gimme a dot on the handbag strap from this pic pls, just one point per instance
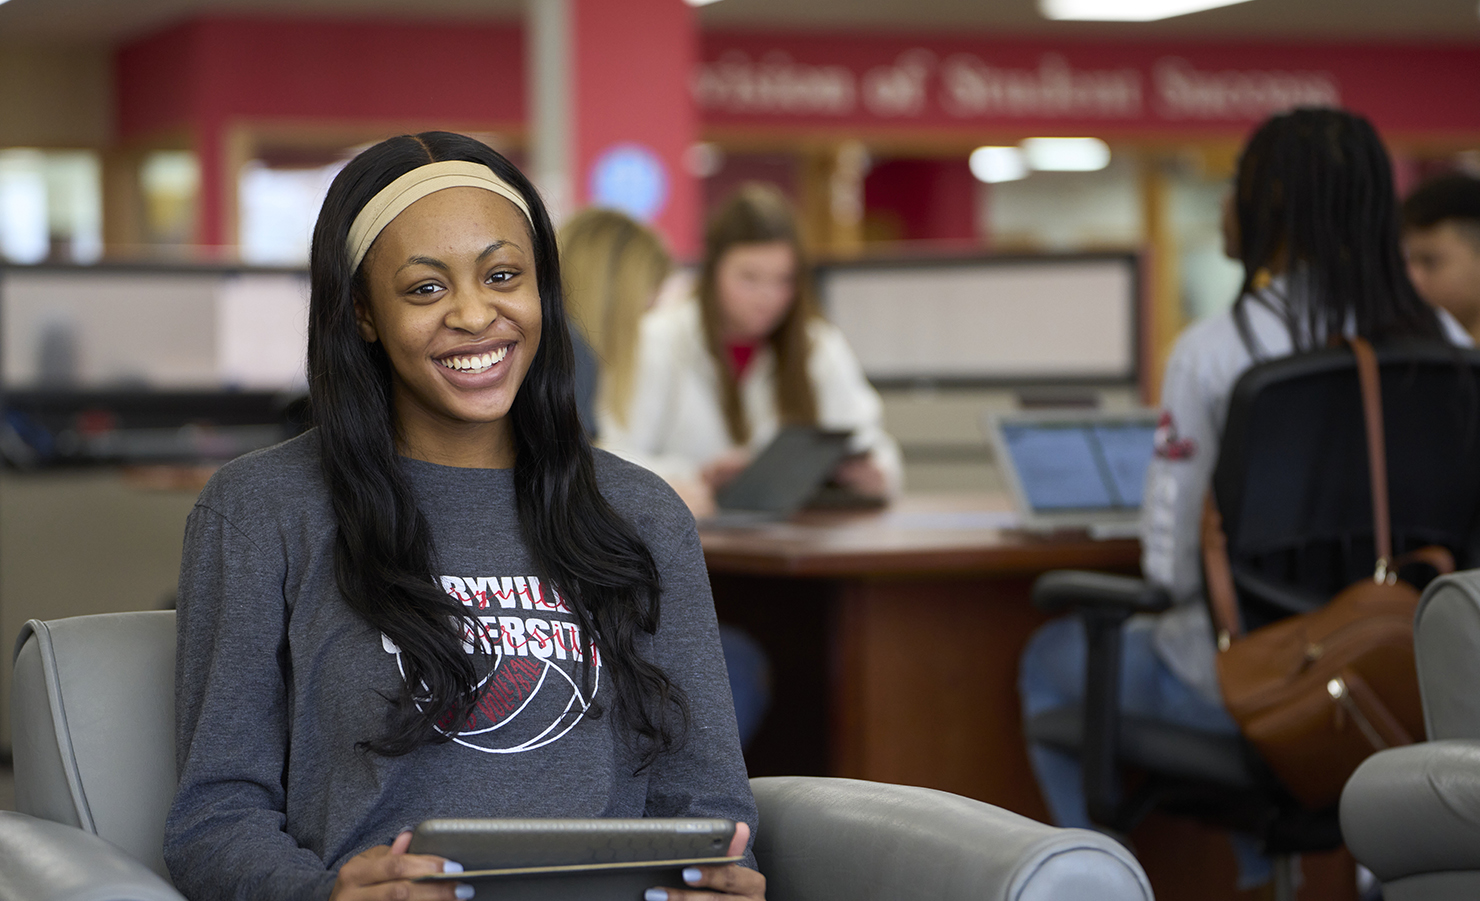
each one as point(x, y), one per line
point(1218, 575)
point(1376, 452)
point(1218, 572)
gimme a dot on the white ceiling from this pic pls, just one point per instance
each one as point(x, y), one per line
point(111, 21)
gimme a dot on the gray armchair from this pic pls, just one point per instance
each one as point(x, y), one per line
point(1412, 815)
point(93, 733)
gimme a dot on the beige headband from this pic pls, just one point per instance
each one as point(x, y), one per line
point(395, 197)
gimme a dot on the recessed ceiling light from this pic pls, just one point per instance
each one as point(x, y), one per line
point(1066, 154)
point(1125, 10)
point(998, 164)
point(689, 2)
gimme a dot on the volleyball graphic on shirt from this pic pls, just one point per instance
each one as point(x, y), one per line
point(534, 692)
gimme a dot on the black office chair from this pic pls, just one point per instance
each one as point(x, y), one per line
point(1292, 486)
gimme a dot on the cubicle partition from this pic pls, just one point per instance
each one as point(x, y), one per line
point(949, 340)
point(120, 387)
point(990, 320)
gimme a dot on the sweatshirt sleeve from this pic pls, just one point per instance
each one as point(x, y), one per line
point(704, 776)
point(1179, 475)
point(224, 837)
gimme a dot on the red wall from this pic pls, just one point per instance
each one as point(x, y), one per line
point(205, 74)
point(202, 76)
point(632, 65)
point(931, 199)
point(881, 84)
point(322, 70)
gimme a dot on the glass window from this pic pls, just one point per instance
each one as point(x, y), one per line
point(1208, 279)
point(51, 205)
point(23, 225)
point(1068, 211)
point(170, 180)
point(278, 208)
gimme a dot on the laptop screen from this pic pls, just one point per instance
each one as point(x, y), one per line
point(1071, 465)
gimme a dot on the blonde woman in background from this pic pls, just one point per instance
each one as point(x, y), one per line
point(716, 376)
point(614, 268)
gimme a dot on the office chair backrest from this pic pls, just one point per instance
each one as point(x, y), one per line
point(93, 726)
point(1292, 479)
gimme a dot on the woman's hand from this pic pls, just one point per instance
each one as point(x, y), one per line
point(863, 475)
point(727, 881)
point(384, 873)
point(722, 470)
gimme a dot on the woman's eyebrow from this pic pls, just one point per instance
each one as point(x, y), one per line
point(438, 264)
point(425, 261)
point(496, 246)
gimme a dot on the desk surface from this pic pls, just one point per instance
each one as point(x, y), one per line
point(920, 533)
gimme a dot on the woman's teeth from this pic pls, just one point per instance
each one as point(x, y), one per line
point(475, 362)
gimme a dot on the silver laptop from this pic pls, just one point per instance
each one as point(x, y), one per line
point(1075, 469)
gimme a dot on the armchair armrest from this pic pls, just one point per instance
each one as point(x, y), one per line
point(1416, 809)
point(1068, 589)
point(828, 839)
point(45, 861)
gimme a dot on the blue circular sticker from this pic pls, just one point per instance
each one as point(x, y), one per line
point(631, 178)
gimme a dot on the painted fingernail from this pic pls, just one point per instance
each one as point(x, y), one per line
point(464, 891)
point(451, 866)
point(655, 894)
point(691, 875)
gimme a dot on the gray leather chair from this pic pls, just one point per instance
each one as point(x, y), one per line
point(93, 733)
point(1412, 815)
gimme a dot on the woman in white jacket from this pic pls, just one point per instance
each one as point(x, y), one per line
point(718, 374)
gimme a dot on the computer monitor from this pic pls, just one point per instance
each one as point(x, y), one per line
point(986, 320)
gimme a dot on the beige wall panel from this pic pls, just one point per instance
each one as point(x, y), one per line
point(79, 542)
point(55, 96)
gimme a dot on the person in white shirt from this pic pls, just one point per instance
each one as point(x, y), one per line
point(1313, 218)
point(718, 374)
point(614, 268)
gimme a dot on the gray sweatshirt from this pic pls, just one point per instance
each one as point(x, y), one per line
point(277, 680)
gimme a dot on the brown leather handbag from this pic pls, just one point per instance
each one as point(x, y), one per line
point(1317, 693)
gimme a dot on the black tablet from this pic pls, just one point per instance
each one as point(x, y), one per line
point(567, 860)
point(782, 477)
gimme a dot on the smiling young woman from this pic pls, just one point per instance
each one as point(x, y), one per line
point(440, 601)
point(452, 296)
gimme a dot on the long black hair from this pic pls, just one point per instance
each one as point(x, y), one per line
point(1314, 199)
point(383, 555)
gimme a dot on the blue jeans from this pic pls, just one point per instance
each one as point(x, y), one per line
point(750, 679)
point(1051, 675)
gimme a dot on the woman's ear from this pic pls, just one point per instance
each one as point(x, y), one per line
point(364, 321)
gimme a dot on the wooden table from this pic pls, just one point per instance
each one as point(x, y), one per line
point(894, 637)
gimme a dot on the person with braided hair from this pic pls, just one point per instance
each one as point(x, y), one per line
point(1313, 218)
